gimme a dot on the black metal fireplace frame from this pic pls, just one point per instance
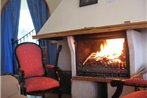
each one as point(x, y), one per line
point(107, 35)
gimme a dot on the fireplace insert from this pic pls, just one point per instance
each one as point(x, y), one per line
point(102, 55)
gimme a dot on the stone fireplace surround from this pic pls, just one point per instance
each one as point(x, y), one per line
point(137, 43)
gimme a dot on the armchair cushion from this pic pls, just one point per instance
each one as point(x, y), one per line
point(44, 83)
point(137, 94)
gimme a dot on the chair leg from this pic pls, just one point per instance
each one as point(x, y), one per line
point(59, 93)
point(119, 89)
point(23, 92)
point(43, 96)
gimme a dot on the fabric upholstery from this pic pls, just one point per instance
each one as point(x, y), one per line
point(137, 94)
point(10, 87)
point(29, 56)
point(7, 86)
point(40, 83)
point(30, 60)
point(17, 96)
point(137, 82)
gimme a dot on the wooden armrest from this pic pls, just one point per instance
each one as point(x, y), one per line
point(22, 82)
point(21, 76)
point(52, 67)
point(136, 82)
point(56, 70)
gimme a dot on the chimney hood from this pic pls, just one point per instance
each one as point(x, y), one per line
point(68, 16)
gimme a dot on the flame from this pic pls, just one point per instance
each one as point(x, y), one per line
point(111, 50)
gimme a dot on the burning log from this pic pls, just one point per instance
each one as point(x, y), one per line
point(104, 61)
point(89, 57)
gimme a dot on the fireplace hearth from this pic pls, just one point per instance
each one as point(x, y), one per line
point(102, 55)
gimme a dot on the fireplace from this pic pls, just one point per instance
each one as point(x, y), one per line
point(102, 55)
point(135, 35)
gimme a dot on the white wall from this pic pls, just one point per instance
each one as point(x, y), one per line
point(53, 4)
point(137, 43)
point(144, 38)
point(84, 89)
point(135, 50)
point(64, 57)
point(69, 15)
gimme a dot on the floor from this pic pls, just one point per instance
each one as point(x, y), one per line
point(56, 96)
point(51, 95)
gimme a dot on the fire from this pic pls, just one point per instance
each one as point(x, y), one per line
point(110, 51)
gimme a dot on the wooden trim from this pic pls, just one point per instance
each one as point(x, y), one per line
point(95, 79)
point(93, 30)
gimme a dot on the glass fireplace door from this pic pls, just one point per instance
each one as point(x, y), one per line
point(104, 55)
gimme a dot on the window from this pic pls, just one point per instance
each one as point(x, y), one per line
point(26, 27)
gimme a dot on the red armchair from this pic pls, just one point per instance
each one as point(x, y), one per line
point(136, 82)
point(32, 71)
point(137, 94)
